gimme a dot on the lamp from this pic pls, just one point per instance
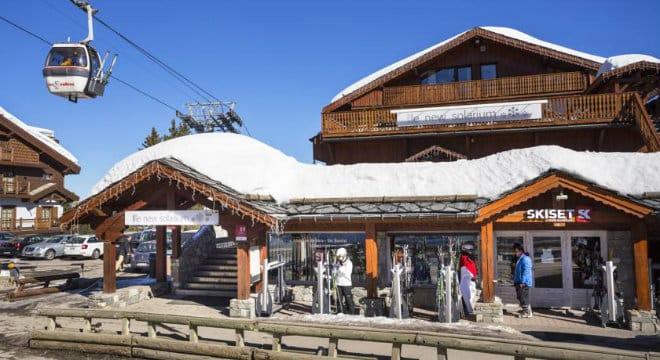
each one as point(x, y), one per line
point(561, 196)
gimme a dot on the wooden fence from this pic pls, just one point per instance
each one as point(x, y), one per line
point(126, 342)
point(502, 88)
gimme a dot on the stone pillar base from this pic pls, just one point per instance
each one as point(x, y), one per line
point(242, 308)
point(644, 321)
point(489, 312)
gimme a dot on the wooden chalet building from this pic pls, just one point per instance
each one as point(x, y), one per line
point(32, 169)
point(487, 90)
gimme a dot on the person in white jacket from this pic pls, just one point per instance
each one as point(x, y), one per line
point(343, 270)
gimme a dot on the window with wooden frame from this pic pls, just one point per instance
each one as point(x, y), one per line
point(8, 183)
point(447, 75)
point(488, 71)
point(7, 217)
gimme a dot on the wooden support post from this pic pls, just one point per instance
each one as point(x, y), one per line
point(87, 325)
point(109, 270)
point(641, 256)
point(176, 243)
point(333, 344)
point(240, 338)
point(371, 250)
point(487, 265)
point(50, 325)
point(277, 342)
point(151, 329)
point(243, 268)
point(125, 326)
point(161, 253)
point(396, 351)
point(193, 335)
point(442, 353)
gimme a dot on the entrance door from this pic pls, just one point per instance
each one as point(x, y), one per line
point(549, 259)
point(587, 251)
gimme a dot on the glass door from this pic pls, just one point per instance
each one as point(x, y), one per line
point(548, 259)
point(588, 249)
point(505, 261)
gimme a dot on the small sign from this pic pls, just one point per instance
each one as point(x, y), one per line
point(171, 217)
point(241, 232)
point(581, 214)
point(469, 114)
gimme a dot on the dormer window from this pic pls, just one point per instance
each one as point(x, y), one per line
point(447, 75)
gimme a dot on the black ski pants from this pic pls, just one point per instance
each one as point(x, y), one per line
point(345, 292)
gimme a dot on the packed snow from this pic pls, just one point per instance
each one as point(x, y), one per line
point(508, 32)
point(251, 167)
point(615, 62)
point(46, 136)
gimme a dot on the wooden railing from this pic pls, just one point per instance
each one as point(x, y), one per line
point(645, 125)
point(502, 88)
point(125, 342)
point(14, 187)
point(571, 110)
point(23, 224)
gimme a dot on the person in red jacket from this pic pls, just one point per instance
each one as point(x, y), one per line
point(468, 274)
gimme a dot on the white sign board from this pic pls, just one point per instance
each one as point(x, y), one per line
point(511, 111)
point(171, 217)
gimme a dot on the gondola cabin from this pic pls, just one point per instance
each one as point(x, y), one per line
point(74, 71)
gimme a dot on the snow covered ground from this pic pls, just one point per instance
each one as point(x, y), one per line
point(251, 167)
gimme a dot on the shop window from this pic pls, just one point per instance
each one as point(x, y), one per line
point(447, 75)
point(586, 261)
point(429, 251)
point(488, 71)
point(506, 259)
point(301, 251)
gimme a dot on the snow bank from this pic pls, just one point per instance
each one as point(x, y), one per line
point(43, 135)
point(252, 167)
point(618, 61)
point(508, 32)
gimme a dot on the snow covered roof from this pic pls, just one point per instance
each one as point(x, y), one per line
point(251, 167)
point(504, 31)
point(619, 61)
point(45, 136)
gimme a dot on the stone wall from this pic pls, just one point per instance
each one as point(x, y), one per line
point(120, 298)
point(619, 244)
point(193, 254)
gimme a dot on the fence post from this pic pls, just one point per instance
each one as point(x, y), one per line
point(277, 342)
point(125, 326)
point(151, 329)
point(240, 338)
point(332, 347)
point(87, 325)
point(442, 353)
point(396, 351)
point(193, 335)
point(50, 326)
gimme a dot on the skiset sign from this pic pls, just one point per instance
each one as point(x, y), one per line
point(581, 214)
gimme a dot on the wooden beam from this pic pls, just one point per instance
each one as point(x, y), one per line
point(371, 250)
point(487, 263)
point(641, 256)
point(161, 253)
point(109, 270)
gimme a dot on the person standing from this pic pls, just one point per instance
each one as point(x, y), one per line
point(522, 280)
point(122, 253)
point(343, 272)
point(468, 274)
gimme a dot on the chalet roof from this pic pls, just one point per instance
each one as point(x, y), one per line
point(51, 188)
point(508, 36)
point(40, 138)
point(616, 65)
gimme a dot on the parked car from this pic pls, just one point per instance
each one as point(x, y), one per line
point(15, 247)
point(84, 246)
point(51, 248)
point(6, 236)
point(140, 259)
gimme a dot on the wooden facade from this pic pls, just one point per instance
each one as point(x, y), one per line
point(361, 127)
point(32, 190)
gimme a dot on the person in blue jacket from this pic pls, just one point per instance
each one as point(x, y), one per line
point(522, 280)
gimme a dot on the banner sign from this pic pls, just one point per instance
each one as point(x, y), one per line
point(241, 232)
point(511, 111)
point(581, 214)
point(171, 217)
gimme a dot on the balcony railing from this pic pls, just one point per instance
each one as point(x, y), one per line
point(502, 88)
point(14, 187)
point(570, 110)
point(32, 224)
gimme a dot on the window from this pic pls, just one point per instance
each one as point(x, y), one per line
point(447, 75)
point(67, 56)
point(301, 251)
point(488, 71)
point(9, 183)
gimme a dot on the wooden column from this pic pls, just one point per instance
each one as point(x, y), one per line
point(176, 242)
point(371, 251)
point(161, 253)
point(641, 256)
point(487, 268)
point(109, 273)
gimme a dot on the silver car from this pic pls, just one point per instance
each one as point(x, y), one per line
point(51, 248)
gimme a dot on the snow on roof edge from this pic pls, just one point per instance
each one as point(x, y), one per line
point(35, 131)
point(619, 61)
point(505, 31)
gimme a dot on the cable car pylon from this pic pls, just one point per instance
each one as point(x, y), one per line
point(75, 70)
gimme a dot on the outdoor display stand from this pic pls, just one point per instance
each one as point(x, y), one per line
point(401, 293)
point(611, 307)
point(448, 293)
point(264, 299)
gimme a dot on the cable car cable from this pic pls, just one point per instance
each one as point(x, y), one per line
point(114, 77)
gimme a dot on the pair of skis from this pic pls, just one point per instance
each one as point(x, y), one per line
point(326, 286)
point(448, 292)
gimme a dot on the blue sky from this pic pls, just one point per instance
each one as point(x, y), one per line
point(281, 61)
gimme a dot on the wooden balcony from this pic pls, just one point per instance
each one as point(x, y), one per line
point(518, 87)
point(570, 110)
point(22, 225)
point(14, 187)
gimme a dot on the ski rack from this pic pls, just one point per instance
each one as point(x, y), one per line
point(264, 305)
